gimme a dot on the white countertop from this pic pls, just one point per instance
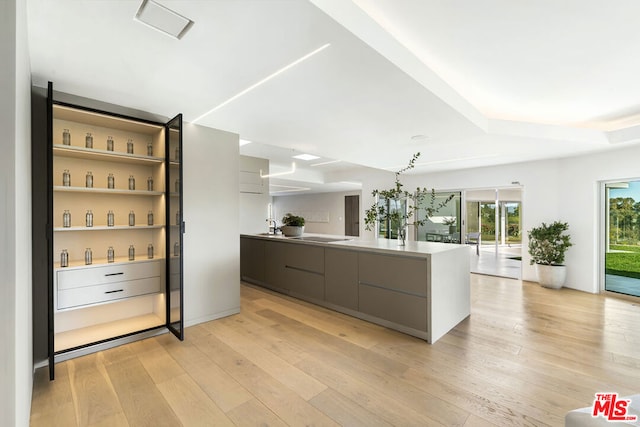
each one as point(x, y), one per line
point(391, 246)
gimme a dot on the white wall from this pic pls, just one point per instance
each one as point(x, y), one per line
point(16, 375)
point(319, 206)
point(254, 199)
point(211, 206)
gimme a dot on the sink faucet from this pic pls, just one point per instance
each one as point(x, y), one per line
point(272, 230)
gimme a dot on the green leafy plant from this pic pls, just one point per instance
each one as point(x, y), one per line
point(549, 243)
point(449, 221)
point(381, 213)
point(292, 220)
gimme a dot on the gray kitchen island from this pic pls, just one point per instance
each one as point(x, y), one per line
point(421, 289)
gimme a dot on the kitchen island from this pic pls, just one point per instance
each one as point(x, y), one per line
point(421, 289)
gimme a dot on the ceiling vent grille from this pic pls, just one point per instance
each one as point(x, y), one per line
point(163, 19)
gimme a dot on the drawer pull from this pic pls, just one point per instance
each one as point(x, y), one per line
point(112, 292)
point(114, 274)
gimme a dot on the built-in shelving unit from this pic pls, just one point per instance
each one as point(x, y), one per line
point(103, 164)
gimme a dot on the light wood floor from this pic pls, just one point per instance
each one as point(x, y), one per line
point(524, 357)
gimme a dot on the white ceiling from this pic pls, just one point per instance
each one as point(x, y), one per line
point(488, 82)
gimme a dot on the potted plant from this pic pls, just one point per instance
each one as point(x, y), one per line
point(547, 246)
point(400, 217)
point(292, 225)
point(451, 222)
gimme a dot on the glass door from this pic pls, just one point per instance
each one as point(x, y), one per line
point(389, 229)
point(175, 229)
point(622, 237)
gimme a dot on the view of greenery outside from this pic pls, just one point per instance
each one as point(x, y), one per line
point(389, 230)
point(488, 222)
point(623, 256)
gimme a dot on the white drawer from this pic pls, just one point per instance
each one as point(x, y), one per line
point(89, 276)
point(108, 292)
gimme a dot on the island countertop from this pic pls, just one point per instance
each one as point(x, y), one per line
point(388, 246)
point(421, 289)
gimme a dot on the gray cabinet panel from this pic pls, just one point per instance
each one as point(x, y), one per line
point(341, 278)
point(304, 270)
point(305, 257)
point(252, 259)
point(275, 258)
point(393, 272)
point(393, 306)
point(305, 284)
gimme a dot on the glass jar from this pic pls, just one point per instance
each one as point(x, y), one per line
point(111, 254)
point(109, 143)
point(64, 258)
point(66, 178)
point(88, 256)
point(66, 219)
point(176, 249)
point(132, 182)
point(132, 218)
point(89, 218)
point(88, 141)
point(110, 219)
point(132, 253)
point(66, 137)
point(130, 146)
point(150, 183)
point(150, 251)
point(150, 218)
point(177, 217)
point(150, 149)
point(89, 180)
point(111, 181)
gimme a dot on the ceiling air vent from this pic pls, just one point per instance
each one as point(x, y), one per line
point(163, 19)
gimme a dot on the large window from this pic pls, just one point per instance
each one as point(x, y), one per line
point(445, 225)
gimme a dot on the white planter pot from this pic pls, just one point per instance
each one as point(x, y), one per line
point(551, 276)
point(292, 231)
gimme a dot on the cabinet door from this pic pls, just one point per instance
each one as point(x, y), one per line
point(252, 259)
point(341, 277)
point(176, 227)
point(393, 288)
point(275, 257)
point(50, 309)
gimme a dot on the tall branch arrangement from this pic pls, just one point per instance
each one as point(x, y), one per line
point(381, 213)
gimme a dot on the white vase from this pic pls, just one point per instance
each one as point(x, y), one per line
point(551, 276)
point(292, 230)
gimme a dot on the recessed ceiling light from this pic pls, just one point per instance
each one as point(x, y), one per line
point(305, 157)
point(244, 142)
point(419, 137)
point(163, 19)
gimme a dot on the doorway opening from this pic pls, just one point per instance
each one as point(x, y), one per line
point(352, 215)
point(622, 237)
point(493, 223)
